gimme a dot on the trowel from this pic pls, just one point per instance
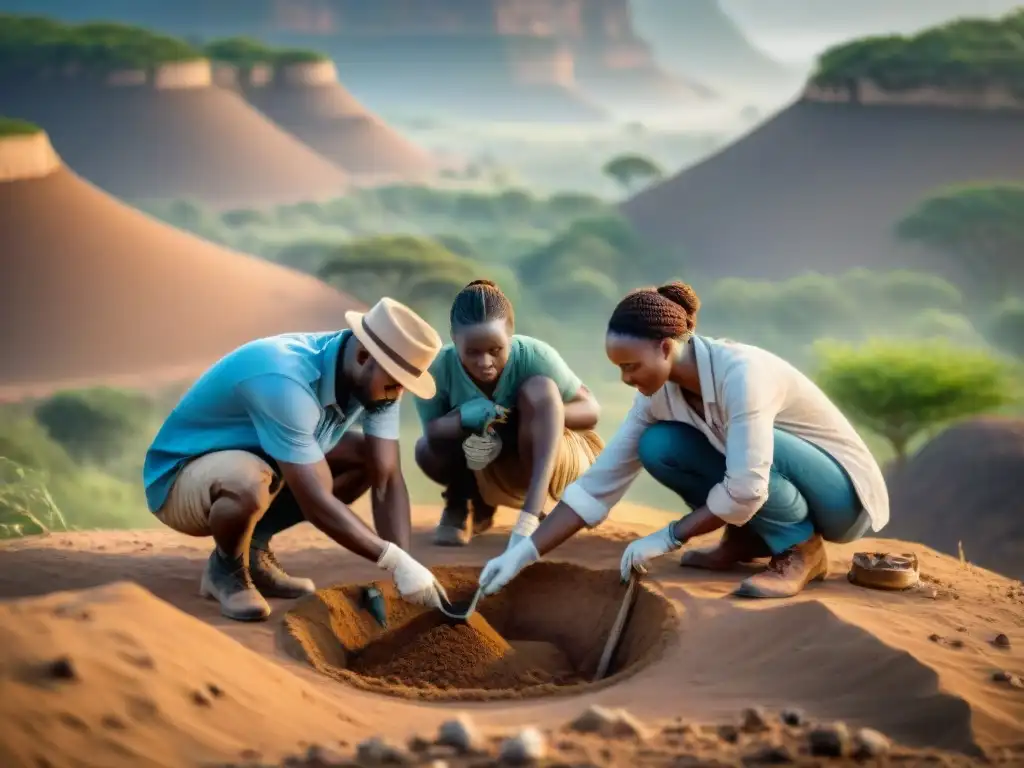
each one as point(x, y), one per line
point(461, 610)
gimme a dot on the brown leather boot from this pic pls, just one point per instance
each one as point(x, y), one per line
point(738, 545)
point(789, 572)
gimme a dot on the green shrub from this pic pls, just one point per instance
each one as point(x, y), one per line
point(12, 127)
point(26, 506)
point(94, 424)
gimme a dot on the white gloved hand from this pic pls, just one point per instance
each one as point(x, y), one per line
point(524, 528)
point(414, 581)
point(641, 551)
point(502, 569)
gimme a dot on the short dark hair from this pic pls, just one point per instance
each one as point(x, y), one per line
point(668, 312)
point(482, 301)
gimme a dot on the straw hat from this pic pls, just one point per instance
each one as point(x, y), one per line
point(401, 342)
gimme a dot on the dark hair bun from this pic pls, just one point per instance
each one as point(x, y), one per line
point(683, 295)
point(484, 283)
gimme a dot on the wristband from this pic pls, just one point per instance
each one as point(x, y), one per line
point(526, 524)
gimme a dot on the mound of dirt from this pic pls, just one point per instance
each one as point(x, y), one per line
point(144, 142)
point(542, 635)
point(113, 676)
point(822, 186)
point(95, 290)
point(962, 488)
point(324, 115)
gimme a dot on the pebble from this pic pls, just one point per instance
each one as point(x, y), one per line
point(1001, 641)
point(869, 743)
point(460, 733)
point(419, 744)
point(526, 747)
point(831, 740)
point(323, 757)
point(201, 699)
point(63, 669)
point(729, 733)
point(593, 719)
point(771, 755)
point(376, 751)
point(754, 719)
point(793, 717)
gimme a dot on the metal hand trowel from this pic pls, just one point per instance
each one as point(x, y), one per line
point(461, 610)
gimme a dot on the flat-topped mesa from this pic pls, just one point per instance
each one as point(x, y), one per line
point(25, 153)
point(865, 92)
point(197, 73)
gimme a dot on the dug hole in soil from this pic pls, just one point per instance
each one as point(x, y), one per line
point(542, 635)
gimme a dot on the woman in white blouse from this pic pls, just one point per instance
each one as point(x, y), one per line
point(747, 441)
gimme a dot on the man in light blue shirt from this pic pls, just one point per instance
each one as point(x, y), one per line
point(262, 441)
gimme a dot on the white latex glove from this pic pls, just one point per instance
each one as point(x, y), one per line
point(524, 528)
point(641, 551)
point(414, 581)
point(502, 569)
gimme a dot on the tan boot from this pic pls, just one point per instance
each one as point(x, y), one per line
point(789, 572)
point(229, 583)
point(738, 545)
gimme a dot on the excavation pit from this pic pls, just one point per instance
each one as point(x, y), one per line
point(542, 635)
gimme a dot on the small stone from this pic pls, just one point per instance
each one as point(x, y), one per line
point(626, 726)
point(419, 744)
point(729, 733)
point(754, 720)
point(525, 748)
point(460, 733)
point(318, 756)
point(771, 754)
point(1001, 641)
point(1001, 677)
point(831, 740)
point(956, 642)
point(201, 699)
point(214, 690)
point(935, 638)
point(869, 743)
point(594, 719)
point(793, 717)
point(62, 669)
point(377, 751)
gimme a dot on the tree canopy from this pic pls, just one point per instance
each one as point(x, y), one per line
point(9, 126)
point(632, 171)
point(245, 52)
point(901, 390)
point(35, 45)
point(981, 226)
point(962, 55)
point(1005, 327)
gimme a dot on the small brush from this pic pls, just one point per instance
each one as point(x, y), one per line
point(373, 602)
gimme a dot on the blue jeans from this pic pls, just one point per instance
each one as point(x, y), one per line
point(808, 491)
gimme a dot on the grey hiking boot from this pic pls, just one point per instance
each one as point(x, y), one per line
point(229, 583)
point(271, 579)
point(452, 531)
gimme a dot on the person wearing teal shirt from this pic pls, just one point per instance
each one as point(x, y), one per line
point(512, 405)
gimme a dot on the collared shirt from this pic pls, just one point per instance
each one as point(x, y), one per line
point(747, 393)
point(527, 357)
point(274, 396)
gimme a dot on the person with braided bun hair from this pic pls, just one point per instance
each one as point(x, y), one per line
point(513, 400)
point(744, 438)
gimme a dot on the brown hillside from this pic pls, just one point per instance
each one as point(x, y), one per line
point(963, 486)
point(92, 290)
point(141, 142)
point(325, 116)
point(820, 186)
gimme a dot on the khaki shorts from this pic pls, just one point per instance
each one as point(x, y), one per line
point(235, 474)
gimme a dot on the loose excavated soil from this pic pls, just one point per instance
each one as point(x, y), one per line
point(542, 635)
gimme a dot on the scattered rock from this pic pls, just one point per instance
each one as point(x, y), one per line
point(214, 690)
point(62, 669)
point(793, 717)
point(419, 744)
point(1001, 641)
point(377, 751)
point(526, 747)
point(201, 699)
point(594, 719)
point(1002, 677)
point(956, 642)
point(729, 733)
point(831, 740)
point(754, 720)
point(771, 754)
point(460, 733)
point(318, 756)
point(935, 638)
point(869, 743)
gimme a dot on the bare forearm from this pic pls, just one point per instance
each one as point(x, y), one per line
point(560, 526)
point(391, 511)
point(582, 414)
point(447, 427)
point(341, 524)
point(547, 434)
point(697, 523)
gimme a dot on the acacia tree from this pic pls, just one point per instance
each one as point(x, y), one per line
point(983, 227)
point(901, 390)
point(632, 171)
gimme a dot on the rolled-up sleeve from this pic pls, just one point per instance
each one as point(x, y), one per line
point(601, 487)
point(751, 399)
